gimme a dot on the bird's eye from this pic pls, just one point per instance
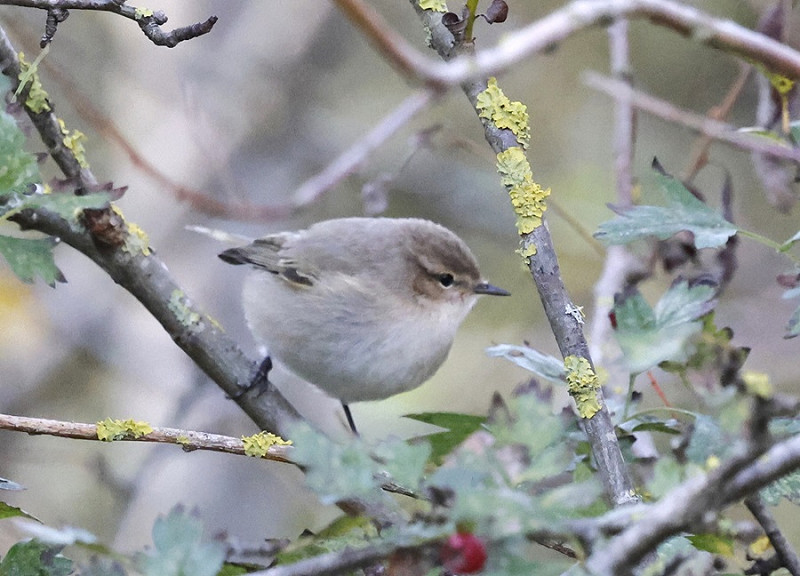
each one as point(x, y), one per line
point(445, 279)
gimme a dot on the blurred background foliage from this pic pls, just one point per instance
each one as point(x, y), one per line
point(247, 113)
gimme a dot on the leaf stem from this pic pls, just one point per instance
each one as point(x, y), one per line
point(472, 6)
point(778, 247)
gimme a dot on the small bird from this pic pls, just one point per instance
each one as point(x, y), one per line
point(363, 308)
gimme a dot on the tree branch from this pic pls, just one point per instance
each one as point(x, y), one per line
point(702, 124)
point(150, 22)
point(560, 25)
point(783, 548)
point(187, 439)
point(642, 527)
point(544, 268)
point(147, 278)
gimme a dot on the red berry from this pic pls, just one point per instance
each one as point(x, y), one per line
point(463, 553)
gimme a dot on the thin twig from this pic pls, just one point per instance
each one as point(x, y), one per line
point(620, 267)
point(149, 22)
point(187, 439)
point(718, 112)
point(341, 561)
point(352, 158)
point(556, 27)
point(624, 112)
point(712, 128)
point(782, 546)
point(198, 199)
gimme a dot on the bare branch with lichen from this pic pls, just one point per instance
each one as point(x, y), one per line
point(188, 440)
point(149, 21)
point(104, 239)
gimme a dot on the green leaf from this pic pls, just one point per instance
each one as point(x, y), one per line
point(683, 211)
point(720, 545)
point(35, 558)
point(789, 243)
point(335, 471)
point(709, 440)
point(650, 423)
point(8, 511)
point(651, 336)
point(404, 461)
point(18, 169)
point(344, 532)
point(793, 326)
point(785, 487)
point(795, 131)
point(65, 205)
point(31, 258)
point(232, 570)
point(68, 206)
point(543, 365)
point(180, 549)
point(667, 474)
point(457, 428)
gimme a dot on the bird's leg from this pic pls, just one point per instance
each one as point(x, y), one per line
point(350, 420)
point(260, 379)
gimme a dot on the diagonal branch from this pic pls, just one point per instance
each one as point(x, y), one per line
point(783, 548)
point(147, 278)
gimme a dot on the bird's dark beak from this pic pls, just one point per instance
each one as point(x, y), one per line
point(486, 288)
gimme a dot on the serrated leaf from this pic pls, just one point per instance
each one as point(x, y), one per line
point(784, 427)
point(651, 336)
point(31, 258)
point(543, 365)
point(179, 548)
point(682, 212)
point(457, 428)
point(8, 511)
point(404, 461)
point(335, 471)
point(785, 487)
point(709, 441)
point(18, 169)
point(35, 558)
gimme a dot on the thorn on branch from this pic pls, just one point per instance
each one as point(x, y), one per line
point(54, 17)
point(151, 26)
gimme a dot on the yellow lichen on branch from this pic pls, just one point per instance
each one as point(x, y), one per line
point(109, 430)
point(73, 141)
point(259, 444)
point(583, 384)
point(37, 97)
point(527, 197)
point(494, 105)
point(434, 5)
